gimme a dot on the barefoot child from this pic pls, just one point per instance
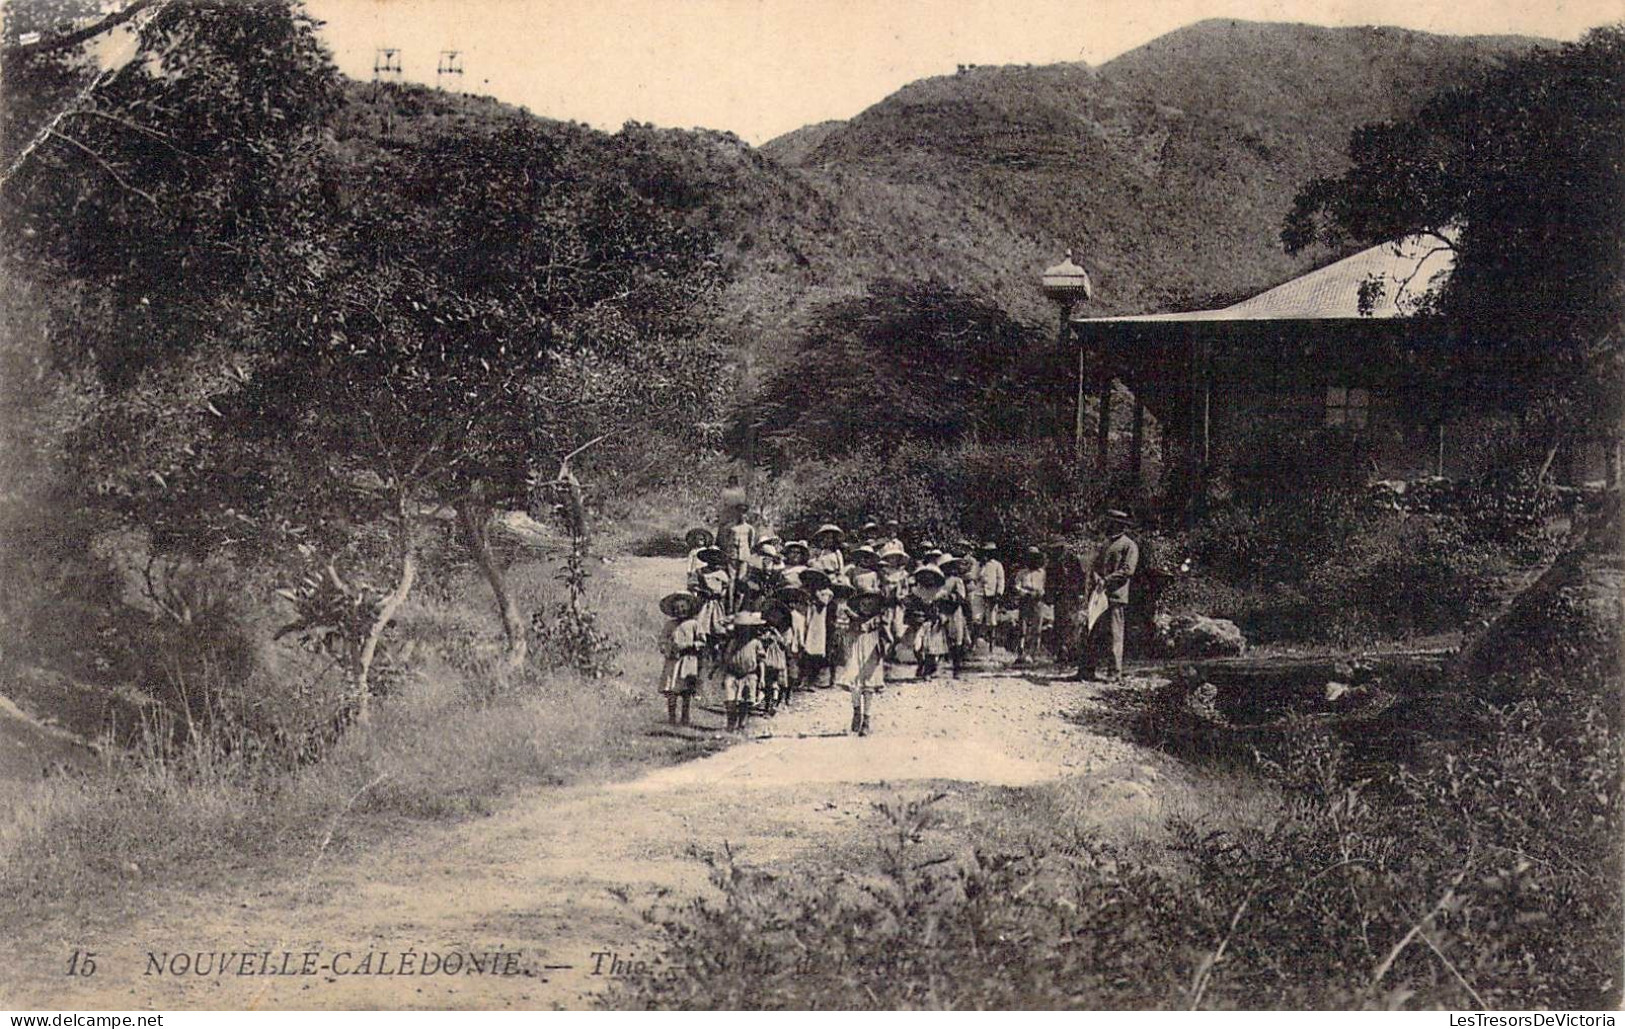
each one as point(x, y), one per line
point(742, 668)
point(775, 665)
point(682, 672)
point(863, 666)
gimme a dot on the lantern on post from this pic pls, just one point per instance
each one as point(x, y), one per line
point(1067, 284)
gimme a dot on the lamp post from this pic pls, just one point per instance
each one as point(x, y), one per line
point(1068, 284)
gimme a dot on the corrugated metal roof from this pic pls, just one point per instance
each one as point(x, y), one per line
point(1407, 267)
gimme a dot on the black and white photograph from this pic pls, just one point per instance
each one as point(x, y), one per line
point(807, 505)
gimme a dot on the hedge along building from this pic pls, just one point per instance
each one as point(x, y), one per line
point(1341, 358)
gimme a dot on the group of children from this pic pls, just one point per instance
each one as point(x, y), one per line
point(767, 617)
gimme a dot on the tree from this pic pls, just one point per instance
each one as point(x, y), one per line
point(907, 360)
point(1521, 176)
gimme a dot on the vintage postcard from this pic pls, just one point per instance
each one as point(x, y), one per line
point(768, 505)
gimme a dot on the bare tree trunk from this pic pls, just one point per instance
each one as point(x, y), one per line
point(474, 517)
point(387, 609)
point(1546, 463)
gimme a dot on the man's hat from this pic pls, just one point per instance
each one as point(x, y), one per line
point(698, 538)
point(772, 538)
point(867, 605)
point(929, 575)
point(955, 565)
point(814, 579)
point(1117, 515)
point(768, 547)
point(711, 555)
point(930, 556)
point(828, 528)
point(795, 596)
point(841, 588)
point(865, 555)
point(679, 605)
point(891, 523)
point(989, 547)
point(800, 545)
point(870, 528)
point(748, 620)
point(893, 553)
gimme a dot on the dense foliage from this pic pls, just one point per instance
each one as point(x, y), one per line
point(1520, 177)
point(254, 327)
point(1481, 874)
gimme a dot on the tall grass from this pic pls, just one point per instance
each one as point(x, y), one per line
point(452, 737)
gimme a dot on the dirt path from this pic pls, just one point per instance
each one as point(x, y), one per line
point(564, 874)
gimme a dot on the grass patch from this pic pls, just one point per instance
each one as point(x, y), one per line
point(452, 738)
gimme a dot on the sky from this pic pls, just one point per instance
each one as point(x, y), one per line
point(760, 68)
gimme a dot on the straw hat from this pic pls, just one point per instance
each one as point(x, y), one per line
point(1117, 515)
point(989, 547)
point(771, 538)
point(867, 605)
point(929, 575)
point(893, 553)
point(829, 528)
point(795, 596)
point(748, 620)
point(679, 605)
point(865, 556)
point(711, 555)
point(841, 588)
point(814, 579)
point(698, 538)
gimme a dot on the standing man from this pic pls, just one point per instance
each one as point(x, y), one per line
point(1114, 567)
point(987, 592)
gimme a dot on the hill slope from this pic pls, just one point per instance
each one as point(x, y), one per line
point(1170, 169)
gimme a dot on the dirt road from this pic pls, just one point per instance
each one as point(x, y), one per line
point(561, 877)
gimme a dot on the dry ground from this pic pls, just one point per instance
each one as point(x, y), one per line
point(563, 874)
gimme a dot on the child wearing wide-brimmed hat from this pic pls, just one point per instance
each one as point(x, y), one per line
point(742, 667)
point(815, 641)
point(712, 587)
point(863, 664)
point(775, 635)
point(864, 571)
point(894, 588)
point(696, 540)
point(955, 607)
point(827, 556)
point(928, 638)
point(681, 675)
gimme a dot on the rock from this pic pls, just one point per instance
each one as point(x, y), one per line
point(1200, 636)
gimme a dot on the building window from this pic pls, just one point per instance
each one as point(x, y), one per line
point(1348, 406)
